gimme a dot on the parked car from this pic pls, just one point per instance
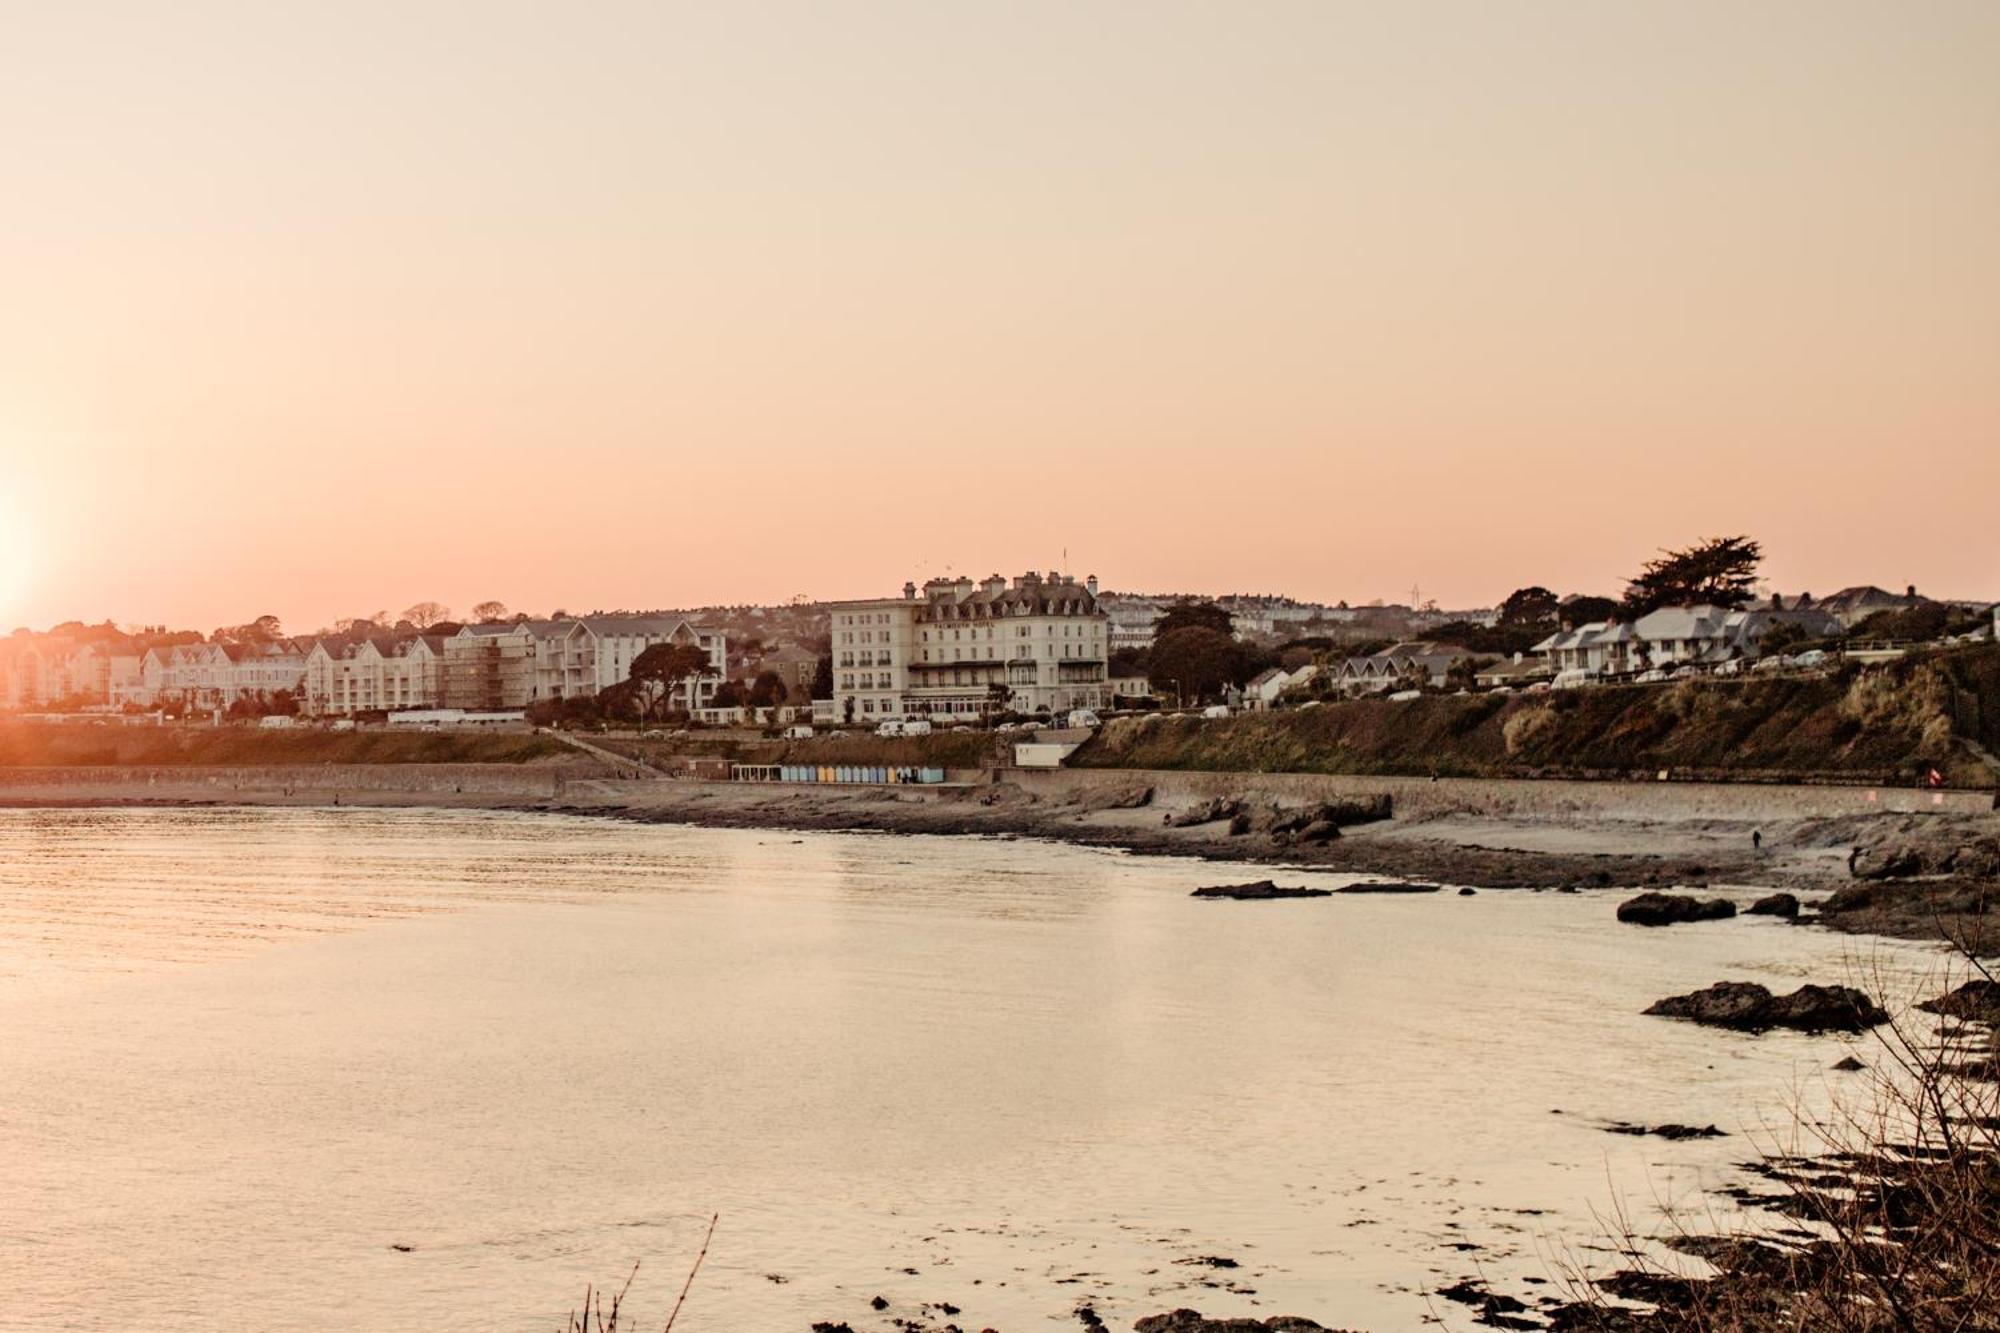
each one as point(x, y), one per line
point(1083, 717)
point(1812, 657)
point(893, 727)
point(1216, 710)
point(798, 731)
point(1653, 677)
point(1687, 673)
point(916, 727)
point(1571, 679)
point(1404, 696)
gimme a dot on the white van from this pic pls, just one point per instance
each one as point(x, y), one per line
point(1082, 717)
point(798, 731)
point(1216, 710)
point(893, 727)
point(1574, 678)
point(917, 727)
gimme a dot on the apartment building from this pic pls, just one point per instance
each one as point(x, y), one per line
point(963, 649)
point(42, 670)
point(375, 674)
point(512, 666)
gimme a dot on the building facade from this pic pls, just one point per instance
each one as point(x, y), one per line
point(377, 674)
point(962, 650)
point(216, 675)
point(511, 666)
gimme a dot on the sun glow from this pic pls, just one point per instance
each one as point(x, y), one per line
point(17, 549)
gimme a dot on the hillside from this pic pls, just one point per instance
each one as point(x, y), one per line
point(82, 744)
point(1887, 725)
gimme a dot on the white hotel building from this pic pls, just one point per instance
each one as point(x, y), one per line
point(964, 649)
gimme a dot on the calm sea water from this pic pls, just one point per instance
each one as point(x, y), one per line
point(245, 1055)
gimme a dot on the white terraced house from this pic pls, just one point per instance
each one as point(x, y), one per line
point(1672, 637)
point(965, 649)
point(215, 675)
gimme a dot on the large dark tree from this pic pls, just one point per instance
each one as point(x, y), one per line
point(1186, 614)
point(1587, 611)
point(1721, 571)
point(767, 690)
point(1530, 608)
point(662, 668)
point(1197, 662)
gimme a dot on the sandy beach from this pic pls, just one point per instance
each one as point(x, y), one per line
point(1477, 833)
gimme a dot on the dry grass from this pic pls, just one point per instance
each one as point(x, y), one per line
point(1889, 1211)
point(598, 1317)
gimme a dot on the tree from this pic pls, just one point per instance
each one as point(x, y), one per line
point(660, 670)
point(490, 613)
point(425, 614)
point(767, 690)
point(264, 629)
point(1188, 613)
point(1915, 624)
point(822, 687)
point(729, 694)
point(1782, 637)
point(1197, 662)
point(1530, 608)
point(1721, 571)
point(1586, 610)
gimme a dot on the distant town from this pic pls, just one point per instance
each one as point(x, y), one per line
point(1032, 647)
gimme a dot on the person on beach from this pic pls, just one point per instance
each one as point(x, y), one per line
point(1756, 840)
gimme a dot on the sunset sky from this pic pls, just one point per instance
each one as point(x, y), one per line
point(323, 309)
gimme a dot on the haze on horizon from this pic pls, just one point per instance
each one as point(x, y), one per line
point(318, 310)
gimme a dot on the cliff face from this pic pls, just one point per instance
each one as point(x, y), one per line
point(1886, 725)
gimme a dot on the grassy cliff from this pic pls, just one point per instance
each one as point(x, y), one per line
point(83, 744)
point(1884, 725)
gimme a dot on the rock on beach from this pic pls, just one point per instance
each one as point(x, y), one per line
point(1744, 1006)
point(1672, 909)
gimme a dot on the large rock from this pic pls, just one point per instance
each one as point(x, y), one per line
point(1976, 1001)
point(1671, 909)
point(1745, 1006)
point(1192, 1321)
point(1322, 822)
point(1220, 807)
point(1259, 891)
point(1778, 904)
point(1388, 886)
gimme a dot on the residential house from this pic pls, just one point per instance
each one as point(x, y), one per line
point(1419, 662)
point(1675, 636)
point(1600, 648)
point(1511, 672)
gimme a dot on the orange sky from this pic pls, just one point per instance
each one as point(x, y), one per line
point(326, 309)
